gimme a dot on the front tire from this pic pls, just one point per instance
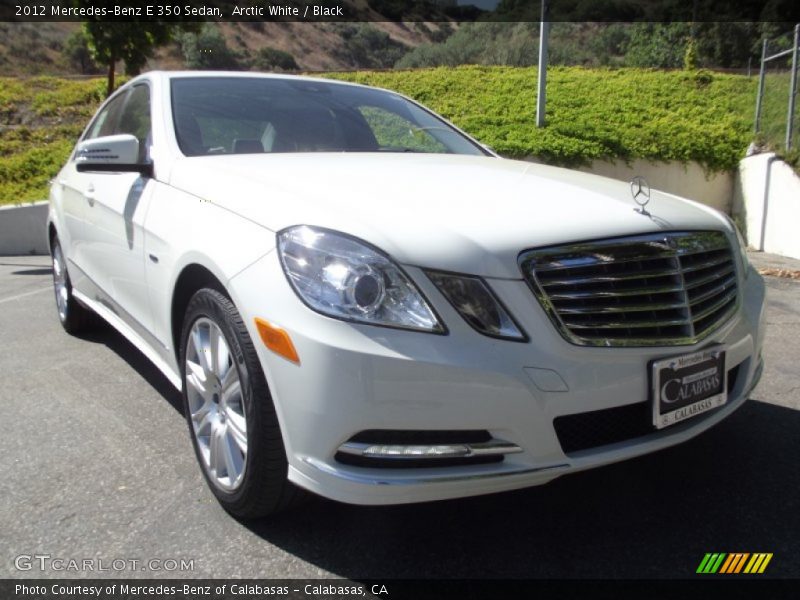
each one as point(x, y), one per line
point(229, 410)
point(74, 317)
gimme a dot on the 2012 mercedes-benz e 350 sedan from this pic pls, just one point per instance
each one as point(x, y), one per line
point(358, 299)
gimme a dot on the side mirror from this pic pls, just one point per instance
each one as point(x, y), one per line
point(111, 154)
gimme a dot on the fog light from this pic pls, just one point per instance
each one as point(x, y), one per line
point(442, 450)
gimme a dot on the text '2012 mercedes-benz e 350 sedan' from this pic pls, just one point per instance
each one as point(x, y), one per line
point(358, 299)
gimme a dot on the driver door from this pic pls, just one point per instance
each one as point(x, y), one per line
point(116, 204)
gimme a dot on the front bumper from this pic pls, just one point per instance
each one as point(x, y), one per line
point(352, 378)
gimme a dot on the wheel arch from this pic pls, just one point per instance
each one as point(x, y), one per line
point(52, 234)
point(193, 277)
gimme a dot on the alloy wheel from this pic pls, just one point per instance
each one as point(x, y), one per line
point(216, 404)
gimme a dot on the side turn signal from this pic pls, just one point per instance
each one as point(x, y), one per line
point(277, 340)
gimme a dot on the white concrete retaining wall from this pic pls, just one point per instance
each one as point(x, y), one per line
point(768, 199)
point(688, 180)
point(23, 229)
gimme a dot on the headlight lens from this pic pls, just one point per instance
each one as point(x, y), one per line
point(345, 278)
point(476, 303)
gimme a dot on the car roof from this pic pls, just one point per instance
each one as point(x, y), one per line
point(169, 75)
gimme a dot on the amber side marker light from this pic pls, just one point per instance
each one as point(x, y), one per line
point(277, 340)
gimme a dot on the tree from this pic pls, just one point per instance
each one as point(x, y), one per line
point(76, 51)
point(132, 42)
point(660, 45)
point(208, 49)
point(272, 59)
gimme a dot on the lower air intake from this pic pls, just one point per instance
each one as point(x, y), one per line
point(589, 430)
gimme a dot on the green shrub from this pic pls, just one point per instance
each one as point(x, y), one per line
point(272, 59)
point(366, 46)
point(209, 50)
point(657, 44)
point(591, 114)
point(479, 43)
point(25, 176)
point(42, 118)
point(77, 54)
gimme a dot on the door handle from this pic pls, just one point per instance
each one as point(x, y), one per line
point(90, 198)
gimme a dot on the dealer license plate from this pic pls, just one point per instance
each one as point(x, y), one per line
point(685, 386)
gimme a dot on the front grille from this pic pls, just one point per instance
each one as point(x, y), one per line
point(589, 430)
point(647, 290)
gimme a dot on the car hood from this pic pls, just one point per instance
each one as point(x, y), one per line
point(456, 213)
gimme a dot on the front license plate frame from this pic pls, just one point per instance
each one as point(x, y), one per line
point(687, 385)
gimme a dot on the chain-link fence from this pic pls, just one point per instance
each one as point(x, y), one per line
point(776, 106)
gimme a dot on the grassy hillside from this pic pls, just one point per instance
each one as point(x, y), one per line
point(40, 120)
point(41, 48)
point(592, 113)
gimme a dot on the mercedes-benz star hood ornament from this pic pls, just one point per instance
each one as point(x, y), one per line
point(640, 191)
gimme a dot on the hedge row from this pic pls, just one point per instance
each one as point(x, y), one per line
point(591, 114)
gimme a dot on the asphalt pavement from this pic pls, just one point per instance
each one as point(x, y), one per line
point(97, 464)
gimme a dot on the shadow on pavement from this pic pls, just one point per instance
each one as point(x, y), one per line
point(41, 271)
point(118, 344)
point(732, 489)
point(4, 263)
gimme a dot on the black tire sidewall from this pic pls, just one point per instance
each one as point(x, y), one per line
point(218, 308)
point(76, 318)
point(57, 248)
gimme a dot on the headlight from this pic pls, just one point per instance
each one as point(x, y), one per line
point(476, 303)
point(345, 278)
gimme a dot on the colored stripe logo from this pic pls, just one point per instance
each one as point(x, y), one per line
point(734, 562)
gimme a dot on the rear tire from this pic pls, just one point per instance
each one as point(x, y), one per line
point(74, 316)
point(229, 410)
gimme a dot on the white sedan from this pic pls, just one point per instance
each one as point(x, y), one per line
point(358, 299)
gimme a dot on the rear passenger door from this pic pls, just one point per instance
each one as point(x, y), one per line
point(75, 194)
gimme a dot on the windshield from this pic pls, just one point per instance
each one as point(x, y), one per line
point(236, 115)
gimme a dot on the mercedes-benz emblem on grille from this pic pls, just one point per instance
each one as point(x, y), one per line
point(640, 191)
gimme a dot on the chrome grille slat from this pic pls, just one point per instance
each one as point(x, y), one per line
point(561, 265)
point(611, 278)
point(628, 324)
point(619, 309)
point(649, 290)
point(709, 278)
point(706, 250)
point(615, 294)
point(707, 264)
point(714, 307)
point(725, 285)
